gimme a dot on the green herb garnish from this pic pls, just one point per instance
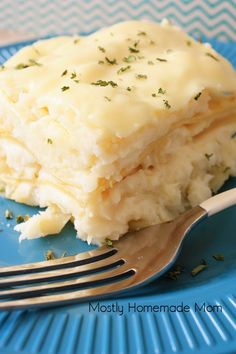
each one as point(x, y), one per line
point(189, 43)
point(101, 49)
point(161, 91)
point(174, 273)
point(218, 257)
point(49, 255)
point(166, 103)
point(141, 33)
point(64, 73)
point(161, 59)
point(49, 141)
point(198, 269)
point(107, 98)
point(212, 56)
point(20, 219)
point(133, 50)
point(128, 88)
point(111, 61)
point(21, 66)
point(141, 76)
point(136, 44)
point(73, 75)
point(8, 214)
point(101, 62)
point(104, 83)
point(123, 69)
point(2, 67)
point(76, 40)
point(129, 59)
point(108, 242)
point(208, 156)
point(64, 88)
point(150, 62)
point(197, 96)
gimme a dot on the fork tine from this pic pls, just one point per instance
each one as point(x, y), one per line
point(81, 270)
point(78, 283)
point(79, 259)
point(73, 297)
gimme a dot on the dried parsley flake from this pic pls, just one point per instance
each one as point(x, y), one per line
point(166, 103)
point(101, 49)
point(64, 88)
point(198, 269)
point(21, 66)
point(8, 214)
point(141, 76)
point(129, 59)
point(123, 69)
point(161, 91)
point(64, 73)
point(133, 50)
point(49, 255)
point(108, 242)
point(111, 61)
point(141, 33)
point(218, 257)
point(208, 156)
point(20, 219)
point(104, 83)
point(73, 75)
point(212, 56)
point(161, 59)
point(197, 96)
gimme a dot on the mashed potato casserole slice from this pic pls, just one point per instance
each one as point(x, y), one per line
point(124, 128)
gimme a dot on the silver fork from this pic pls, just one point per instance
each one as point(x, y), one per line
point(136, 259)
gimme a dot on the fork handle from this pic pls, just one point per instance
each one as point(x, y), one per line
point(219, 202)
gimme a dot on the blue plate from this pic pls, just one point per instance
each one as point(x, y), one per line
point(195, 315)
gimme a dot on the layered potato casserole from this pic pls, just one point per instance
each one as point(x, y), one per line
point(127, 127)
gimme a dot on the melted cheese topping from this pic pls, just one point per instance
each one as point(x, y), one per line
point(151, 70)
